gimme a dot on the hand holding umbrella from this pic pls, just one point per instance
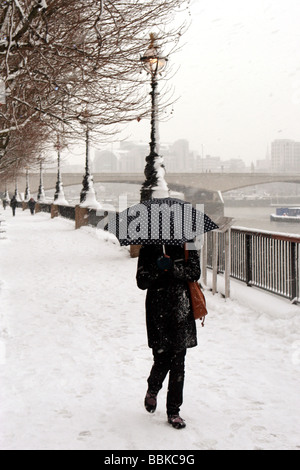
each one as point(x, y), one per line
point(164, 263)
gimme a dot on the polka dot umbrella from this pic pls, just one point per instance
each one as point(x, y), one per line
point(165, 221)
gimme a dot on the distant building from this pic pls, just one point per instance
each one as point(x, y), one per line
point(132, 157)
point(105, 162)
point(297, 156)
point(210, 164)
point(234, 165)
point(178, 157)
point(263, 166)
point(285, 155)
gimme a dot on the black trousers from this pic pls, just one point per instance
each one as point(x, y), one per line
point(164, 362)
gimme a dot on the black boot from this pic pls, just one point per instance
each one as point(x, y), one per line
point(176, 421)
point(150, 401)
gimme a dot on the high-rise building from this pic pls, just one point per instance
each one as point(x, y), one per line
point(285, 155)
point(297, 156)
point(178, 157)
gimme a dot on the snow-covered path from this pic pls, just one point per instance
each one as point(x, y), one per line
point(74, 359)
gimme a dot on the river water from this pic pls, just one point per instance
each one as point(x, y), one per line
point(259, 218)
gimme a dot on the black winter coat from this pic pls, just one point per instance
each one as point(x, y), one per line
point(169, 317)
point(31, 204)
point(13, 202)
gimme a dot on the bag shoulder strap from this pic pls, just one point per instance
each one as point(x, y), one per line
point(186, 253)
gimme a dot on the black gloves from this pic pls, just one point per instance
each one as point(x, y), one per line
point(164, 263)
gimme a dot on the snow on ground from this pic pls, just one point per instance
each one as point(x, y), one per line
point(74, 358)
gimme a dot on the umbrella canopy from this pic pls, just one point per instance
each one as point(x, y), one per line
point(165, 221)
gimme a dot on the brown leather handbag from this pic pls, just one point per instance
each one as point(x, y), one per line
point(197, 298)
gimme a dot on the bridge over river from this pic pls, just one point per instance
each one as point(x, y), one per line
point(198, 187)
point(199, 181)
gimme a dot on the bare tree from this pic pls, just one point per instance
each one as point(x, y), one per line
point(26, 146)
point(62, 57)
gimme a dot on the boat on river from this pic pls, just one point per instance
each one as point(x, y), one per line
point(286, 214)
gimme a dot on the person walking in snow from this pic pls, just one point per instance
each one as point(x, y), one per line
point(31, 205)
point(171, 327)
point(13, 205)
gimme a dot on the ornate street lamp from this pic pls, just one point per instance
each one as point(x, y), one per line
point(41, 192)
point(87, 177)
point(17, 190)
point(59, 196)
point(27, 189)
point(155, 184)
point(87, 195)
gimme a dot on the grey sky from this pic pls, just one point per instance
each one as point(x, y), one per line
point(239, 81)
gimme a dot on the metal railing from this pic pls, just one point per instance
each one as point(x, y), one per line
point(268, 260)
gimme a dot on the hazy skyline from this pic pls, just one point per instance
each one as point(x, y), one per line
point(238, 86)
point(239, 79)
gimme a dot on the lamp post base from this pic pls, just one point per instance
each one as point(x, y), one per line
point(155, 185)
